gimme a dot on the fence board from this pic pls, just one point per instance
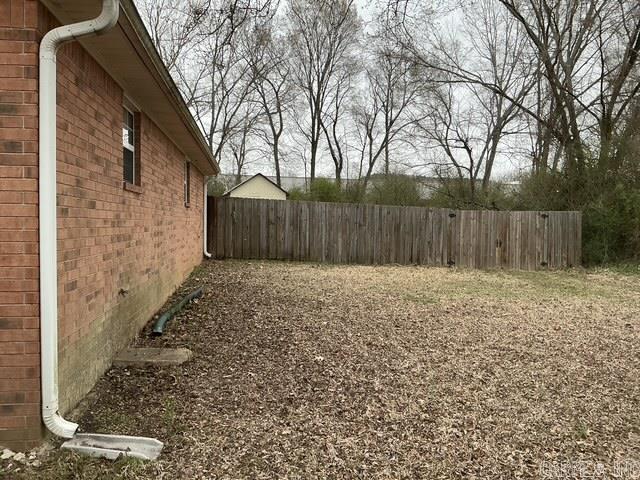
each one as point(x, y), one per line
point(375, 234)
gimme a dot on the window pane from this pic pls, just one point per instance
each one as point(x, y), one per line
point(187, 182)
point(128, 136)
point(129, 168)
point(125, 136)
point(128, 119)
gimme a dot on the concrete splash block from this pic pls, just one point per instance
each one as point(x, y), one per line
point(113, 447)
point(152, 357)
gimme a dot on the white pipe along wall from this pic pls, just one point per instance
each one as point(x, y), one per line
point(205, 233)
point(47, 208)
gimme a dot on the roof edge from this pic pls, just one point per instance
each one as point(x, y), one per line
point(133, 16)
point(249, 179)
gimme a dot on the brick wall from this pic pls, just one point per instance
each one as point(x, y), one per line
point(19, 334)
point(120, 253)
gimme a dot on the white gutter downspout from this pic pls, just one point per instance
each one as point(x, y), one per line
point(205, 234)
point(48, 219)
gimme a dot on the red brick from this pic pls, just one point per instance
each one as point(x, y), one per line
point(12, 398)
point(19, 235)
point(19, 361)
point(11, 171)
point(11, 122)
point(30, 147)
point(9, 46)
point(11, 197)
point(10, 298)
point(20, 409)
point(32, 298)
point(10, 98)
point(13, 422)
point(21, 59)
point(18, 285)
point(15, 435)
point(13, 348)
point(5, 13)
point(18, 223)
point(14, 103)
point(11, 248)
point(18, 311)
point(21, 159)
point(11, 147)
point(14, 34)
point(19, 273)
point(18, 210)
point(19, 84)
point(30, 98)
point(18, 133)
point(18, 185)
point(30, 198)
point(11, 323)
point(19, 385)
point(32, 174)
point(17, 13)
point(11, 71)
point(18, 260)
point(19, 372)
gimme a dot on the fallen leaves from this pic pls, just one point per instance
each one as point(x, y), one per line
point(302, 371)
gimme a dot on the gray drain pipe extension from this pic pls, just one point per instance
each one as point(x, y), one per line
point(47, 208)
point(158, 327)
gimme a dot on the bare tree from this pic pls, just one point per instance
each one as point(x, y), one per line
point(467, 126)
point(271, 70)
point(323, 34)
point(387, 109)
point(586, 53)
point(331, 122)
point(209, 62)
point(466, 121)
point(174, 26)
point(241, 144)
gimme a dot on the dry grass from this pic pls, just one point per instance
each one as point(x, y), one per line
point(306, 371)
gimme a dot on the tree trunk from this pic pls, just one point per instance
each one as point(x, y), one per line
point(312, 161)
point(386, 159)
point(276, 161)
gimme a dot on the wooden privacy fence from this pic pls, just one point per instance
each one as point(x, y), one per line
point(375, 234)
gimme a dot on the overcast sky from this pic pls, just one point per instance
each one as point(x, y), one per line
point(293, 163)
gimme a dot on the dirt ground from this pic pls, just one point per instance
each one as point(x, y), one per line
point(307, 371)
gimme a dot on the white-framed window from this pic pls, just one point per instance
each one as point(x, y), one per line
point(187, 183)
point(131, 175)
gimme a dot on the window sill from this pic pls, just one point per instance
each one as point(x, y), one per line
point(130, 187)
point(187, 204)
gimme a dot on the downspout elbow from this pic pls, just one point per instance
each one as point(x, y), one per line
point(101, 24)
point(58, 425)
